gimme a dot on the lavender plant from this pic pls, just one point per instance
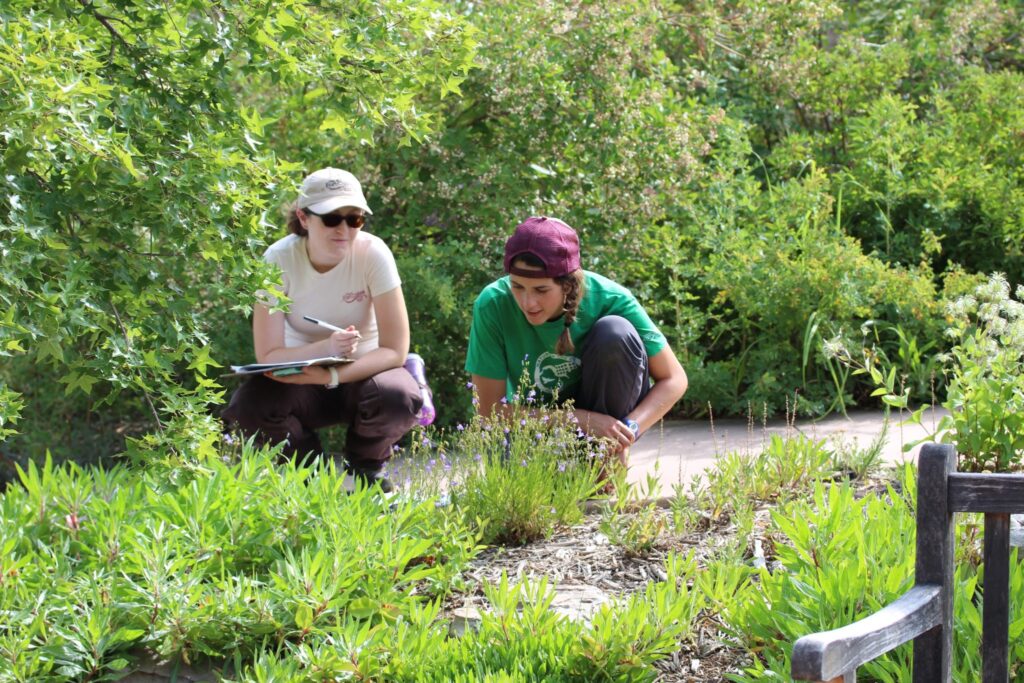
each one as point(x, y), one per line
point(526, 472)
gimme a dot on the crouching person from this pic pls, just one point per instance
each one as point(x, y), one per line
point(334, 272)
point(575, 334)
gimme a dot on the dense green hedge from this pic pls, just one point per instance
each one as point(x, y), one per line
point(766, 177)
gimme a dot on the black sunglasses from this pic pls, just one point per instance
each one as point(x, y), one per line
point(333, 220)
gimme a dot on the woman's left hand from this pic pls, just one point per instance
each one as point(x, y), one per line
point(313, 374)
point(600, 425)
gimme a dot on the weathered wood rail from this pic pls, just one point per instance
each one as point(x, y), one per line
point(924, 614)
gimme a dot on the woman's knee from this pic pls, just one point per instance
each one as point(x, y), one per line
point(257, 401)
point(392, 396)
point(613, 336)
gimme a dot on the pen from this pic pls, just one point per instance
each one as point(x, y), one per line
point(332, 328)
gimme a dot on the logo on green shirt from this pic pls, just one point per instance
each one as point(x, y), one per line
point(552, 372)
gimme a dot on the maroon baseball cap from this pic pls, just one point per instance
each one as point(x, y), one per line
point(550, 240)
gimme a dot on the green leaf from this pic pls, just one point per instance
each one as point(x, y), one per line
point(451, 85)
point(336, 123)
point(126, 160)
point(363, 608)
point(304, 617)
point(81, 381)
point(202, 360)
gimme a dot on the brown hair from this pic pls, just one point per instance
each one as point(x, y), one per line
point(573, 287)
point(291, 214)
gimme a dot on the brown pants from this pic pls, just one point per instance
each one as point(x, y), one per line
point(378, 411)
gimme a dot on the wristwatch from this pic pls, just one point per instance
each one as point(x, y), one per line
point(334, 377)
point(634, 427)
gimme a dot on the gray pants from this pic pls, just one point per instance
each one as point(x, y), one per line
point(616, 369)
point(378, 411)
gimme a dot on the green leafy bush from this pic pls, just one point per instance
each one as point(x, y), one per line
point(785, 468)
point(986, 385)
point(521, 636)
point(983, 372)
point(838, 564)
point(235, 557)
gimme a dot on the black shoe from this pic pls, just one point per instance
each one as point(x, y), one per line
point(372, 478)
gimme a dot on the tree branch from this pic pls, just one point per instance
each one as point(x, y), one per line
point(145, 394)
point(105, 21)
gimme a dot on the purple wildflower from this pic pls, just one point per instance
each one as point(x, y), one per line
point(522, 423)
point(561, 466)
point(523, 463)
point(477, 457)
point(460, 427)
point(538, 436)
point(470, 385)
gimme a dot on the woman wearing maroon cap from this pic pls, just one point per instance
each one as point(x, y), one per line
point(574, 334)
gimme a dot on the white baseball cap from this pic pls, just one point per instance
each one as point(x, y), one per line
point(328, 189)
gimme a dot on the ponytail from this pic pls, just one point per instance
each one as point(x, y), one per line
point(574, 288)
point(291, 214)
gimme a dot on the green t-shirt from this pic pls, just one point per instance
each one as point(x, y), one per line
point(503, 344)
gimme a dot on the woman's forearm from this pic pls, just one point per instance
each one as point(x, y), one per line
point(380, 359)
point(658, 401)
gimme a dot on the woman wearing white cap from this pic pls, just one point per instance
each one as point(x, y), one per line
point(337, 273)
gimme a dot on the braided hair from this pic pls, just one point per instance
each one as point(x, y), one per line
point(573, 288)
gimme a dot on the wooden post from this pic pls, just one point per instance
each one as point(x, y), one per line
point(996, 606)
point(933, 649)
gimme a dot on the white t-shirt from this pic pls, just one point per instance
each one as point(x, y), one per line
point(342, 296)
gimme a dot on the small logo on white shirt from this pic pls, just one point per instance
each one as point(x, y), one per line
point(353, 297)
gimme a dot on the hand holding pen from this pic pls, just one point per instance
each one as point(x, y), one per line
point(342, 342)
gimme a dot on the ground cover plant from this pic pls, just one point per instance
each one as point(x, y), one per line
point(225, 559)
point(263, 570)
